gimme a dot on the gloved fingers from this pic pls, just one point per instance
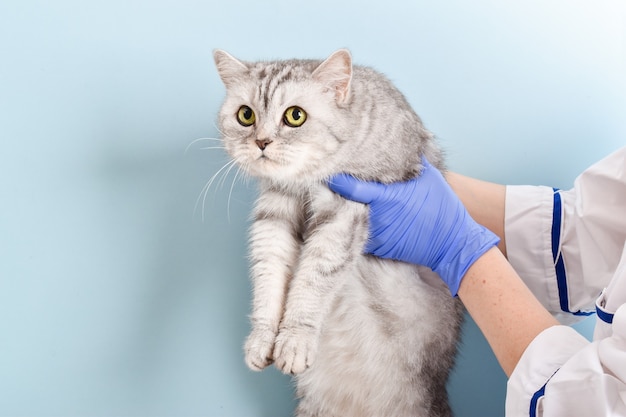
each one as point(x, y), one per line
point(349, 187)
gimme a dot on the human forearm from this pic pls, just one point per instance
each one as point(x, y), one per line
point(483, 200)
point(503, 307)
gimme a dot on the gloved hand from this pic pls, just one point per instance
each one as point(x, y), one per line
point(421, 221)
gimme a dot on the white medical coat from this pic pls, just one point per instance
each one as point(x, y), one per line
point(569, 248)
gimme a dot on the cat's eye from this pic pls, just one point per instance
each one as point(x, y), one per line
point(294, 116)
point(245, 116)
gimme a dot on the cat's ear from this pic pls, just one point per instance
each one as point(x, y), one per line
point(336, 74)
point(229, 68)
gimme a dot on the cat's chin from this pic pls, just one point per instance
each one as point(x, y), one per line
point(266, 168)
point(275, 172)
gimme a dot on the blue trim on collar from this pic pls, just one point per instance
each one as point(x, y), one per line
point(559, 264)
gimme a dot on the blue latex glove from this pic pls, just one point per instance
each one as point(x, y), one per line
point(421, 221)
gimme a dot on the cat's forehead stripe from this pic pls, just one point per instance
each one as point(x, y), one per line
point(272, 76)
point(271, 82)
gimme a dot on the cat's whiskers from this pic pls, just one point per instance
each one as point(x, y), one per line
point(205, 190)
point(201, 139)
point(224, 171)
point(222, 180)
point(230, 192)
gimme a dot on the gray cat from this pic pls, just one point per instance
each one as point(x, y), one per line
point(363, 336)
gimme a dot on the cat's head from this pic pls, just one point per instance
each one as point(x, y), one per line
point(279, 119)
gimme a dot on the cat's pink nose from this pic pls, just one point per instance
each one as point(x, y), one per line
point(262, 143)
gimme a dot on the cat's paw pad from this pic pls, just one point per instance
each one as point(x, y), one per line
point(258, 349)
point(295, 350)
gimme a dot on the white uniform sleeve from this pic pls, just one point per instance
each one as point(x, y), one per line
point(566, 245)
point(570, 249)
point(561, 374)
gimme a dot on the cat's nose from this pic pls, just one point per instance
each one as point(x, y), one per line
point(262, 143)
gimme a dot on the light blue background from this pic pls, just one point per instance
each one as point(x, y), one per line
point(116, 298)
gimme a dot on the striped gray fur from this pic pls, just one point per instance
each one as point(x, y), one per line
point(363, 336)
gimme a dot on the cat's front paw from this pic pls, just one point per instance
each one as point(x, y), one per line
point(259, 347)
point(295, 350)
